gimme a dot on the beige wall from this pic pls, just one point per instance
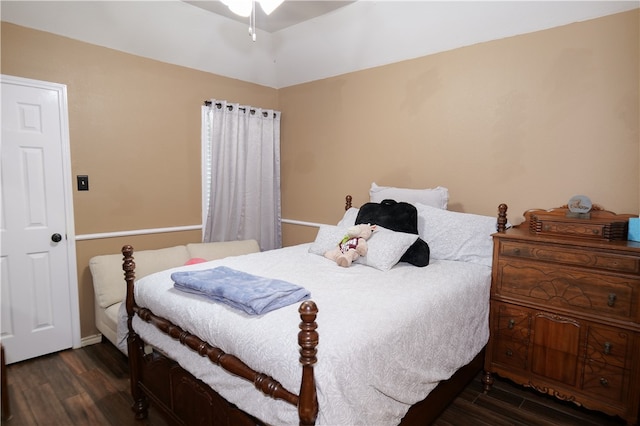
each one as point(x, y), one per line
point(134, 126)
point(529, 121)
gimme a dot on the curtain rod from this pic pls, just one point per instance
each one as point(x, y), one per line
point(243, 109)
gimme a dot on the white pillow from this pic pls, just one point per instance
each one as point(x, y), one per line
point(435, 197)
point(385, 247)
point(457, 236)
point(349, 218)
point(327, 238)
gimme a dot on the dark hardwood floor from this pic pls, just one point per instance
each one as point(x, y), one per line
point(90, 386)
point(509, 404)
point(87, 386)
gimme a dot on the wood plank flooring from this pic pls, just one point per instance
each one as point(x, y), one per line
point(510, 405)
point(87, 386)
point(90, 386)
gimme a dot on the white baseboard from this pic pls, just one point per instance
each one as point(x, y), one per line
point(91, 340)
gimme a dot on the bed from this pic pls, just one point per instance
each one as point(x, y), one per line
point(397, 344)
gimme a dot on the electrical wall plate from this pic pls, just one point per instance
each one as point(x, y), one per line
point(83, 182)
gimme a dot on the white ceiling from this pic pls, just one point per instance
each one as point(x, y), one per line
point(363, 34)
point(289, 13)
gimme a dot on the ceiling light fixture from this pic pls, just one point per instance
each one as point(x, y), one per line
point(247, 8)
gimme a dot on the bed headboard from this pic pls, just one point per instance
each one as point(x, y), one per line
point(502, 213)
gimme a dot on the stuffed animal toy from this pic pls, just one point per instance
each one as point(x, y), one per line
point(352, 246)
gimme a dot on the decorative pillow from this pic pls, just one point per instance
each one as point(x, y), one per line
point(399, 217)
point(385, 247)
point(436, 197)
point(457, 236)
point(327, 238)
point(349, 218)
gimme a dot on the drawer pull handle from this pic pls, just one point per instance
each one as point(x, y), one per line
point(604, 382)
point(607, 348)
point(512, 323)
point(596, 231)
point(612, 299)
point(510, 353)
point(516, 251)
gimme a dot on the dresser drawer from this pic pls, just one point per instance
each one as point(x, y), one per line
point(577, 257)
point(510, 352)
point(591, 228)
point(603, 380)
point(608, 346)
point(511, 329)
point(512, 322)
point(583, 291)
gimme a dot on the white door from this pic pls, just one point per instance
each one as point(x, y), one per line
point(37, 266)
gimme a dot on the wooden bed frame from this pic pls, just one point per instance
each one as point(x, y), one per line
point(186, 400)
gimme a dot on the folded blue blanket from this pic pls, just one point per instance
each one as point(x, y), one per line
point(250, 293)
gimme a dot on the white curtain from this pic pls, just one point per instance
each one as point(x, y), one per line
point(241, 174)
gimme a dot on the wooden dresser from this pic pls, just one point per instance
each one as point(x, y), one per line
point(565, 316)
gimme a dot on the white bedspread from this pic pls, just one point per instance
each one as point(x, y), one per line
point(386, 338)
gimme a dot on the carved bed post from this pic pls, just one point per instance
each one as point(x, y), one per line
point(308, 341)
point(347, 204)
point(487, 376)
point(502, 217)
point(134, 344)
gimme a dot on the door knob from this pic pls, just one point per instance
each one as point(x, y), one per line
point(56, 238)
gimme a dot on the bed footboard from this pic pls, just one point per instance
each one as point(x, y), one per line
point(135, 345)
point(146, 368)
